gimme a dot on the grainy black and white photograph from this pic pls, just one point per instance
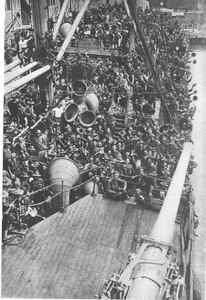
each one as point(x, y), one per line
point(103, 149)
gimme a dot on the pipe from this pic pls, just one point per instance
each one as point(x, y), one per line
point(164, 227)
point(16, 73)
point(145, 287)
point(60, 18)
point(17, 84)
point(12, 65)
point(72, 30)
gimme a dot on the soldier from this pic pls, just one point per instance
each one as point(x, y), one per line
point(40, 142)
point(37, 184)
point(116, 188)
point(29, 114)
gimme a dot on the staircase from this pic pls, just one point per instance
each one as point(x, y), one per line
point(119, 121)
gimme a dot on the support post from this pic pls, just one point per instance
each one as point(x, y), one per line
point(72, 30)
point(93, 191)
point(60, 18)
point(62, 196)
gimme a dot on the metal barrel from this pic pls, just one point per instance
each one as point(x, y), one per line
point(87, 118)
point(63, 173)
point(79, 89)
point(64, 29)
point(71, 112)
point(92, 102)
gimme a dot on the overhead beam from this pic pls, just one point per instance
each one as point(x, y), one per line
point(72, 30)
point(16, 73)
point(22, 81)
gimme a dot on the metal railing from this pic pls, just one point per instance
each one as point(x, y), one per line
point(92, 46)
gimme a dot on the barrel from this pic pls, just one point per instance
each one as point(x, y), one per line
point(92, 102)
point(63, 171)
point(64, 29)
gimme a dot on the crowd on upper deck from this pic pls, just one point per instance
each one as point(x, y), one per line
point(136, 162)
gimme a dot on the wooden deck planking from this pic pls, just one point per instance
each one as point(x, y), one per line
point(128, 226)
point(14, 269)
point(31, 275)
point(72, 252)
point(84, 227)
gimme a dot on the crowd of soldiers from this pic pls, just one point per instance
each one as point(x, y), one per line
point(134, 163)
point(107, 25)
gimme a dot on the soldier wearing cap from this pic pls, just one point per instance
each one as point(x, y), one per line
point(116, 188)
point(6, 153)
point(36, 184)
point(25, 185)
point(29, 114)
point(5, 221)
point(40, 142)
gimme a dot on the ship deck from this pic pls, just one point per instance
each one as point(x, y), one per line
point(70, 254)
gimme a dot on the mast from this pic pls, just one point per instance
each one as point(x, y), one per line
point(131, 11)
point(39, 16)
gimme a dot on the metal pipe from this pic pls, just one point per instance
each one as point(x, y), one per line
point(12, 65)
point(17, 84)
point(60, 18)
point(145, 287)
point(164, 227)
point(10, 76)
point(72, 30)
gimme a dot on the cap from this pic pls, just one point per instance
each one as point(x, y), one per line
point(6, 181)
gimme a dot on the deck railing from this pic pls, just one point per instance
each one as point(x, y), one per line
point(93, 46)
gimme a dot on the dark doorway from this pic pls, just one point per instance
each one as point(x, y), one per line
point(26, 12)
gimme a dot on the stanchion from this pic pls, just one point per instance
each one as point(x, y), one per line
point(62, 197)
point(93, 191)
